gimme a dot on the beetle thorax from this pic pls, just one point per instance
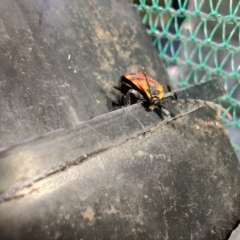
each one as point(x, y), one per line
point(153, 91)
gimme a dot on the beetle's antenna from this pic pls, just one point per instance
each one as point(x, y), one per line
point(145, 74)
point(200, 103)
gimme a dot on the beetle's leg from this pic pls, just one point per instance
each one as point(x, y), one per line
point(124, 100)
point(170, 93)
point(134, 93)
point(164, 110)
point(169, 88)
point(118, 88)
point(123, 87)
point(124, 84)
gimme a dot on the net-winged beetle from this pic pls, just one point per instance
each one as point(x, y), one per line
point(138, 86)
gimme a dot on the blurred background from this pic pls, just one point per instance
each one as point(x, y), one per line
point(199, 40)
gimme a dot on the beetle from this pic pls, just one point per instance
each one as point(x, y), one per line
point(137, 86)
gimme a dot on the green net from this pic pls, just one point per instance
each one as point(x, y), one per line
point(199, 40)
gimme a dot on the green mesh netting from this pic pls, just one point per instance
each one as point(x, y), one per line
point(199, 40)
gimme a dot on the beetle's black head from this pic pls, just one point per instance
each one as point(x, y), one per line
point(154, 100)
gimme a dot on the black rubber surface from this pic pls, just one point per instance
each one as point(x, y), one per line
point(98, 174)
